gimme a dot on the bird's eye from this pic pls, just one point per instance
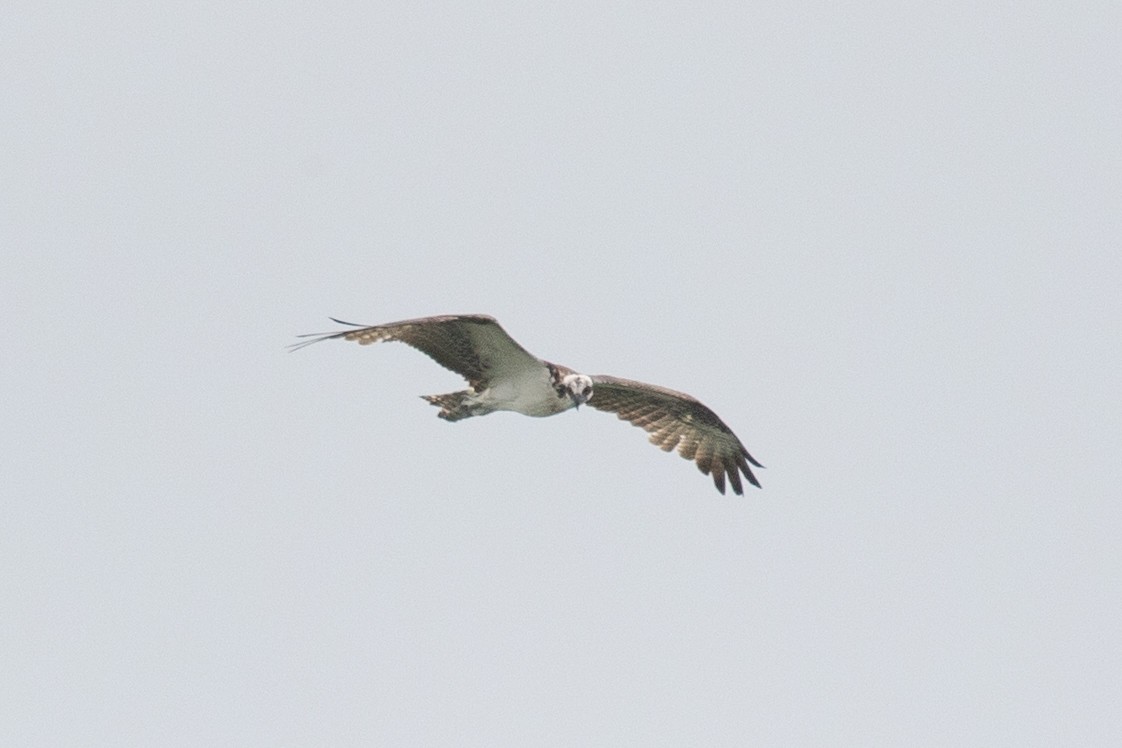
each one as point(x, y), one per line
point(585, 391)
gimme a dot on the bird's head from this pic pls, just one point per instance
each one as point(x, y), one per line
point(578, 387)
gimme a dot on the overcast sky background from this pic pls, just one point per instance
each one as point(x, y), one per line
point(882, 241)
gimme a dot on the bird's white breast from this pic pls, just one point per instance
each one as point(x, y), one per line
point(531, 394)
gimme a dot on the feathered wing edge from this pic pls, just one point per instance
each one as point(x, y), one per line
point(677, 420)
point(319, 337)
point(450, 340)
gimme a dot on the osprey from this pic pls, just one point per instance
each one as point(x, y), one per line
point(502, 375)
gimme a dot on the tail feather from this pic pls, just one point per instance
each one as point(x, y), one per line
point(453, 406)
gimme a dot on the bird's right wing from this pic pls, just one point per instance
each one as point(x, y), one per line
point(474, 346)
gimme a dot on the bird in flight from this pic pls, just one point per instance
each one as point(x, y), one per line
point(502, 375)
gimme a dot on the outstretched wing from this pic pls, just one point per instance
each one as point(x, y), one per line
point(472, 345)
point(674, 419)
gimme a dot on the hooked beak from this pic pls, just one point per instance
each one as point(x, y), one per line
point(579, 398)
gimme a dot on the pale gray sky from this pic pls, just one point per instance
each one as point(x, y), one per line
point(882, 241)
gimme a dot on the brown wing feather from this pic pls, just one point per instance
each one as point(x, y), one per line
point(676, 420)
point(474, 346)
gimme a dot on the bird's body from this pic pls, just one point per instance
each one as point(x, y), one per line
point(529, 391)
point(502, 375)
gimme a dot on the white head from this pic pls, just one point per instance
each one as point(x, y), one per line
point(578, 387)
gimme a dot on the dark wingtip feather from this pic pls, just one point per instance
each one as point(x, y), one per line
point(734, 478)
point(748, 472)
point(316, 337)
point(319, 336)
point(751, 459)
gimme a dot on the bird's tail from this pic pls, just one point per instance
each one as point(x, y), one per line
point(453, 406)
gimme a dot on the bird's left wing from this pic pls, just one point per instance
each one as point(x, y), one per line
point(675, 419)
